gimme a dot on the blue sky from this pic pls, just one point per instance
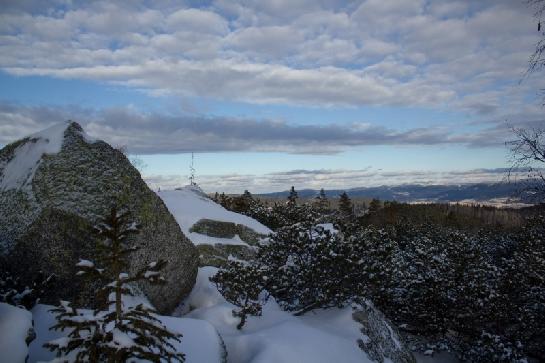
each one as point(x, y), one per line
point(332, 94)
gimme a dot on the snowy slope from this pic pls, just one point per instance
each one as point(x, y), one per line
point(200, 342)
point(14, 326)
point(19, 171)
point(189, 205)
point(277, 336)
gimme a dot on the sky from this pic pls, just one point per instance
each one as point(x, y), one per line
point(268, 94)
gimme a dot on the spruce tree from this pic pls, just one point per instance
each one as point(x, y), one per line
point(292, 197)
point(225, 201)
point(321, 202)
point(115, 332)
point(15, 292)
point(242, 285)
point(374, 205)
point(345, 206)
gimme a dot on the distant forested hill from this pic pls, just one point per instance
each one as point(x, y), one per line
point(481, 192)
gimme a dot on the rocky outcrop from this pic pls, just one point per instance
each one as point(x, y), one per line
point(52, 244)
point(380, 340)
point(80, 182)
point(218, 254)
point(220, 229)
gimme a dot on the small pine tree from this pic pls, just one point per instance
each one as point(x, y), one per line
point(374, 205)
point(115, 332)
point(247, 196)
point(225, 201)
point(345, 206)
point(242, 203)
point(292, 197)
point(321, 202)
point(242, 285)
point(14, 292)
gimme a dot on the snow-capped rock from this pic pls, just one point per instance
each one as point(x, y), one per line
point(55, 185)
point(218, 233)
point(190, 205)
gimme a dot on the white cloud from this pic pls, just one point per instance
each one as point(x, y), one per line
point(140, 131)
point(436, 55)
point(197, 20)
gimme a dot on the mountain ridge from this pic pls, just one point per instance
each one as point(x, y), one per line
point(478, 192)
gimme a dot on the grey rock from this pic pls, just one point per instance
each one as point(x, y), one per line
point(52, 244)
point(380, 340)
point(220, 229)
point(218, 254)
point(84, 179)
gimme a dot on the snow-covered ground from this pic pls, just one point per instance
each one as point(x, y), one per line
point(200, 342)
point(14, 326)
point(189, 205)
point(277, 336)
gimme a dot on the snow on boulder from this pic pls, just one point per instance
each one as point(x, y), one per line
point(219, 234)
point(190, 207)
point(200, 343)
point(17, 168)
point(70, 186)
point(15, 332)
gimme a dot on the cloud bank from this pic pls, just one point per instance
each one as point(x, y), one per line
point(156, 133)
point(460, 54)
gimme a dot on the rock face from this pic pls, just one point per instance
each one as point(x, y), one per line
point(218, 255)
point(380, 340)
point(221, 229)
point(53, 243)
point(64, 192)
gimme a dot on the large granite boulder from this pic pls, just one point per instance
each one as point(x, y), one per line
point(58, 183)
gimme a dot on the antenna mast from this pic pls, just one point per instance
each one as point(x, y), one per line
point(192, 170)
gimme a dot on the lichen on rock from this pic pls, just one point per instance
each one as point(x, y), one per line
point(84, 178)
point(220, 229)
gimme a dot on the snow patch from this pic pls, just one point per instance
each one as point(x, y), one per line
point(202, 239)
point(276, 336)
point(328, 227)
point(19, 171)
point(200, 342)
point(85, 263)
point(14, 326)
